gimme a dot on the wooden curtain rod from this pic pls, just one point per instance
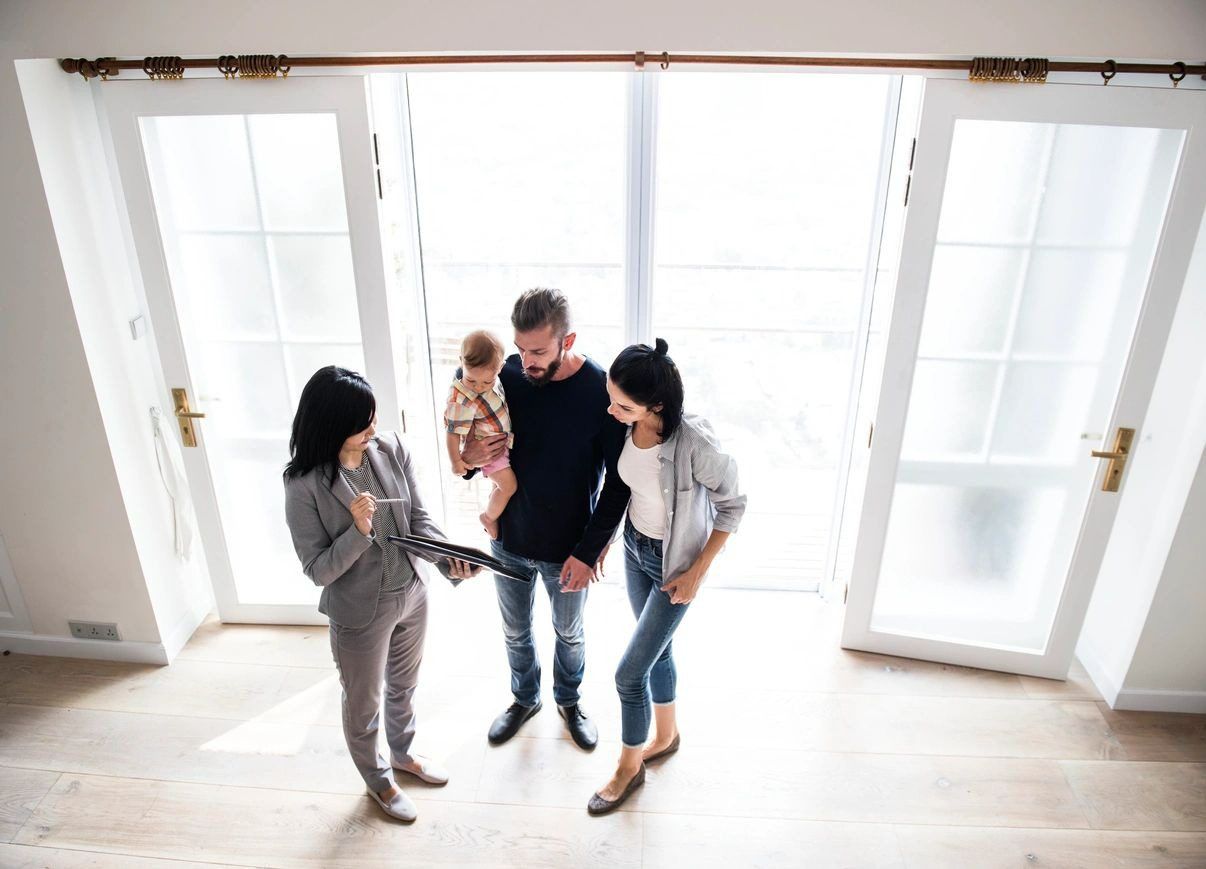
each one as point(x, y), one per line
point(271, 65)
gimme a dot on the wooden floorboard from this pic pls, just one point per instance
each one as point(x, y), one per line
point(795, 753)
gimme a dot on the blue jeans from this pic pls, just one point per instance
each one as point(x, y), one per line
point(515, 601)
point(646, 670)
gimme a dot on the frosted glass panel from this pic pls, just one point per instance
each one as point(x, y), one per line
point(245, 390)
point(972, 290)
point(993, 182)
point(248, 486)
point(1045, 243)
point(1043, 411)
point(1077, 209)
point(298, 172)
point(203, 160)
point(949, 412)
point(317, 287)
point(302, 360)
point(225, 286)
point(1003, 543)
point(1070, 302)
point(252, 214)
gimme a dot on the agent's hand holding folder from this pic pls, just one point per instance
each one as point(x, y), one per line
point(431, 549)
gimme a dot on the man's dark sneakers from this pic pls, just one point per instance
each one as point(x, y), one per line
point(507, 725)
point(581, 728)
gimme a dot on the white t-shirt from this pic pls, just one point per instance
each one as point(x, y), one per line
point(641, 471)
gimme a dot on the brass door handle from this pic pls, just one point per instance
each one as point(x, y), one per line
point(1117, 458)
point(188, 436)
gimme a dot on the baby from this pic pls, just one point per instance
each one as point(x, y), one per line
point(476, 407)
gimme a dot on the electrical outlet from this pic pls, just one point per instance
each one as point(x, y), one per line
point(94, 630)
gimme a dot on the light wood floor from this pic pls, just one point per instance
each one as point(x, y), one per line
point(795, 753)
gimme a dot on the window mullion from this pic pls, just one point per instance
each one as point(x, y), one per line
point(638, 258)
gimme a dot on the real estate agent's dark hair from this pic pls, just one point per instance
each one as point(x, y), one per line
point(649, 377)
point(336, 404)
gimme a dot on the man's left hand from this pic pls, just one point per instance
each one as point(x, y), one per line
point(575, 575)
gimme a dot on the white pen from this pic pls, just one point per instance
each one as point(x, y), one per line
point(390, 500)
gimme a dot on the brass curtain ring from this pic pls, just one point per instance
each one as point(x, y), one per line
point(1111, 70)
point(1179, 74)
point(665, 60)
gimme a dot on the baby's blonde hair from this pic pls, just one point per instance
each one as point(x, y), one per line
point(480, 349)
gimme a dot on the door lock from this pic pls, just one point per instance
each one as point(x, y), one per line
point(185, 417)
point(1117, 456)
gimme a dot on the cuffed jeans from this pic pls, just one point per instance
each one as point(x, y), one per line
point(515, 601)
point(389, 649)
point(646, 671)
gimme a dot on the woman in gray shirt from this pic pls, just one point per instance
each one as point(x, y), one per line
point(373, 593)
point(681, 495)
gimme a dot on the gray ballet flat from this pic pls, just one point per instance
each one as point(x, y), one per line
point(600, 806)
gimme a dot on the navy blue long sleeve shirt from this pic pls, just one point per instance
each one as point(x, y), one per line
point(564, 441)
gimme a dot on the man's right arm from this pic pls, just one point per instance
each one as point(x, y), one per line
point(479, 453)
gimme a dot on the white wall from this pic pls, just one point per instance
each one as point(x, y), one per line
point(1162, 29)
point(65, 484)
point(1156, 553)
point(97, 257)
point(1169, 667)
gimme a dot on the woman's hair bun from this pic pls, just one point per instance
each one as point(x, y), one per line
point(660, 346)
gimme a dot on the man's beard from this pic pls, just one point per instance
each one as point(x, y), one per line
point(549, 372)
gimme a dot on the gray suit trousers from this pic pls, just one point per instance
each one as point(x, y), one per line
point(388, 650)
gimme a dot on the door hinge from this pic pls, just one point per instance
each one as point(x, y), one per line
point(909, 179)
point(908, 184)
point(912, 151)
point(377, 166)
point(403, 421)
point(870, 434)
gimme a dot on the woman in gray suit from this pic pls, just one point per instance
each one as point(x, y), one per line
point(372, 592)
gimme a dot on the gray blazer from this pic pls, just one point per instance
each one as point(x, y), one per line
point(333, 553)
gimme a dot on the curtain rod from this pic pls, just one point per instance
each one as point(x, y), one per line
point(1028, 69)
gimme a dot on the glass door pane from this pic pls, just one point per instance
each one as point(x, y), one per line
point(1045, 243)
point(520, 180)
point(767, 205)
point(255, 235)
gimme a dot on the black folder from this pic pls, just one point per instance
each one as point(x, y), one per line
point(429, 548)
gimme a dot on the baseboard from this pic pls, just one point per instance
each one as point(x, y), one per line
point(70, 647)
point(1103, 683)
point(1143, 700)
point(185, 627)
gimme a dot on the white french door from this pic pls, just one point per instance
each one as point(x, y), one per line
point(253, 206)
point(1046, 241)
